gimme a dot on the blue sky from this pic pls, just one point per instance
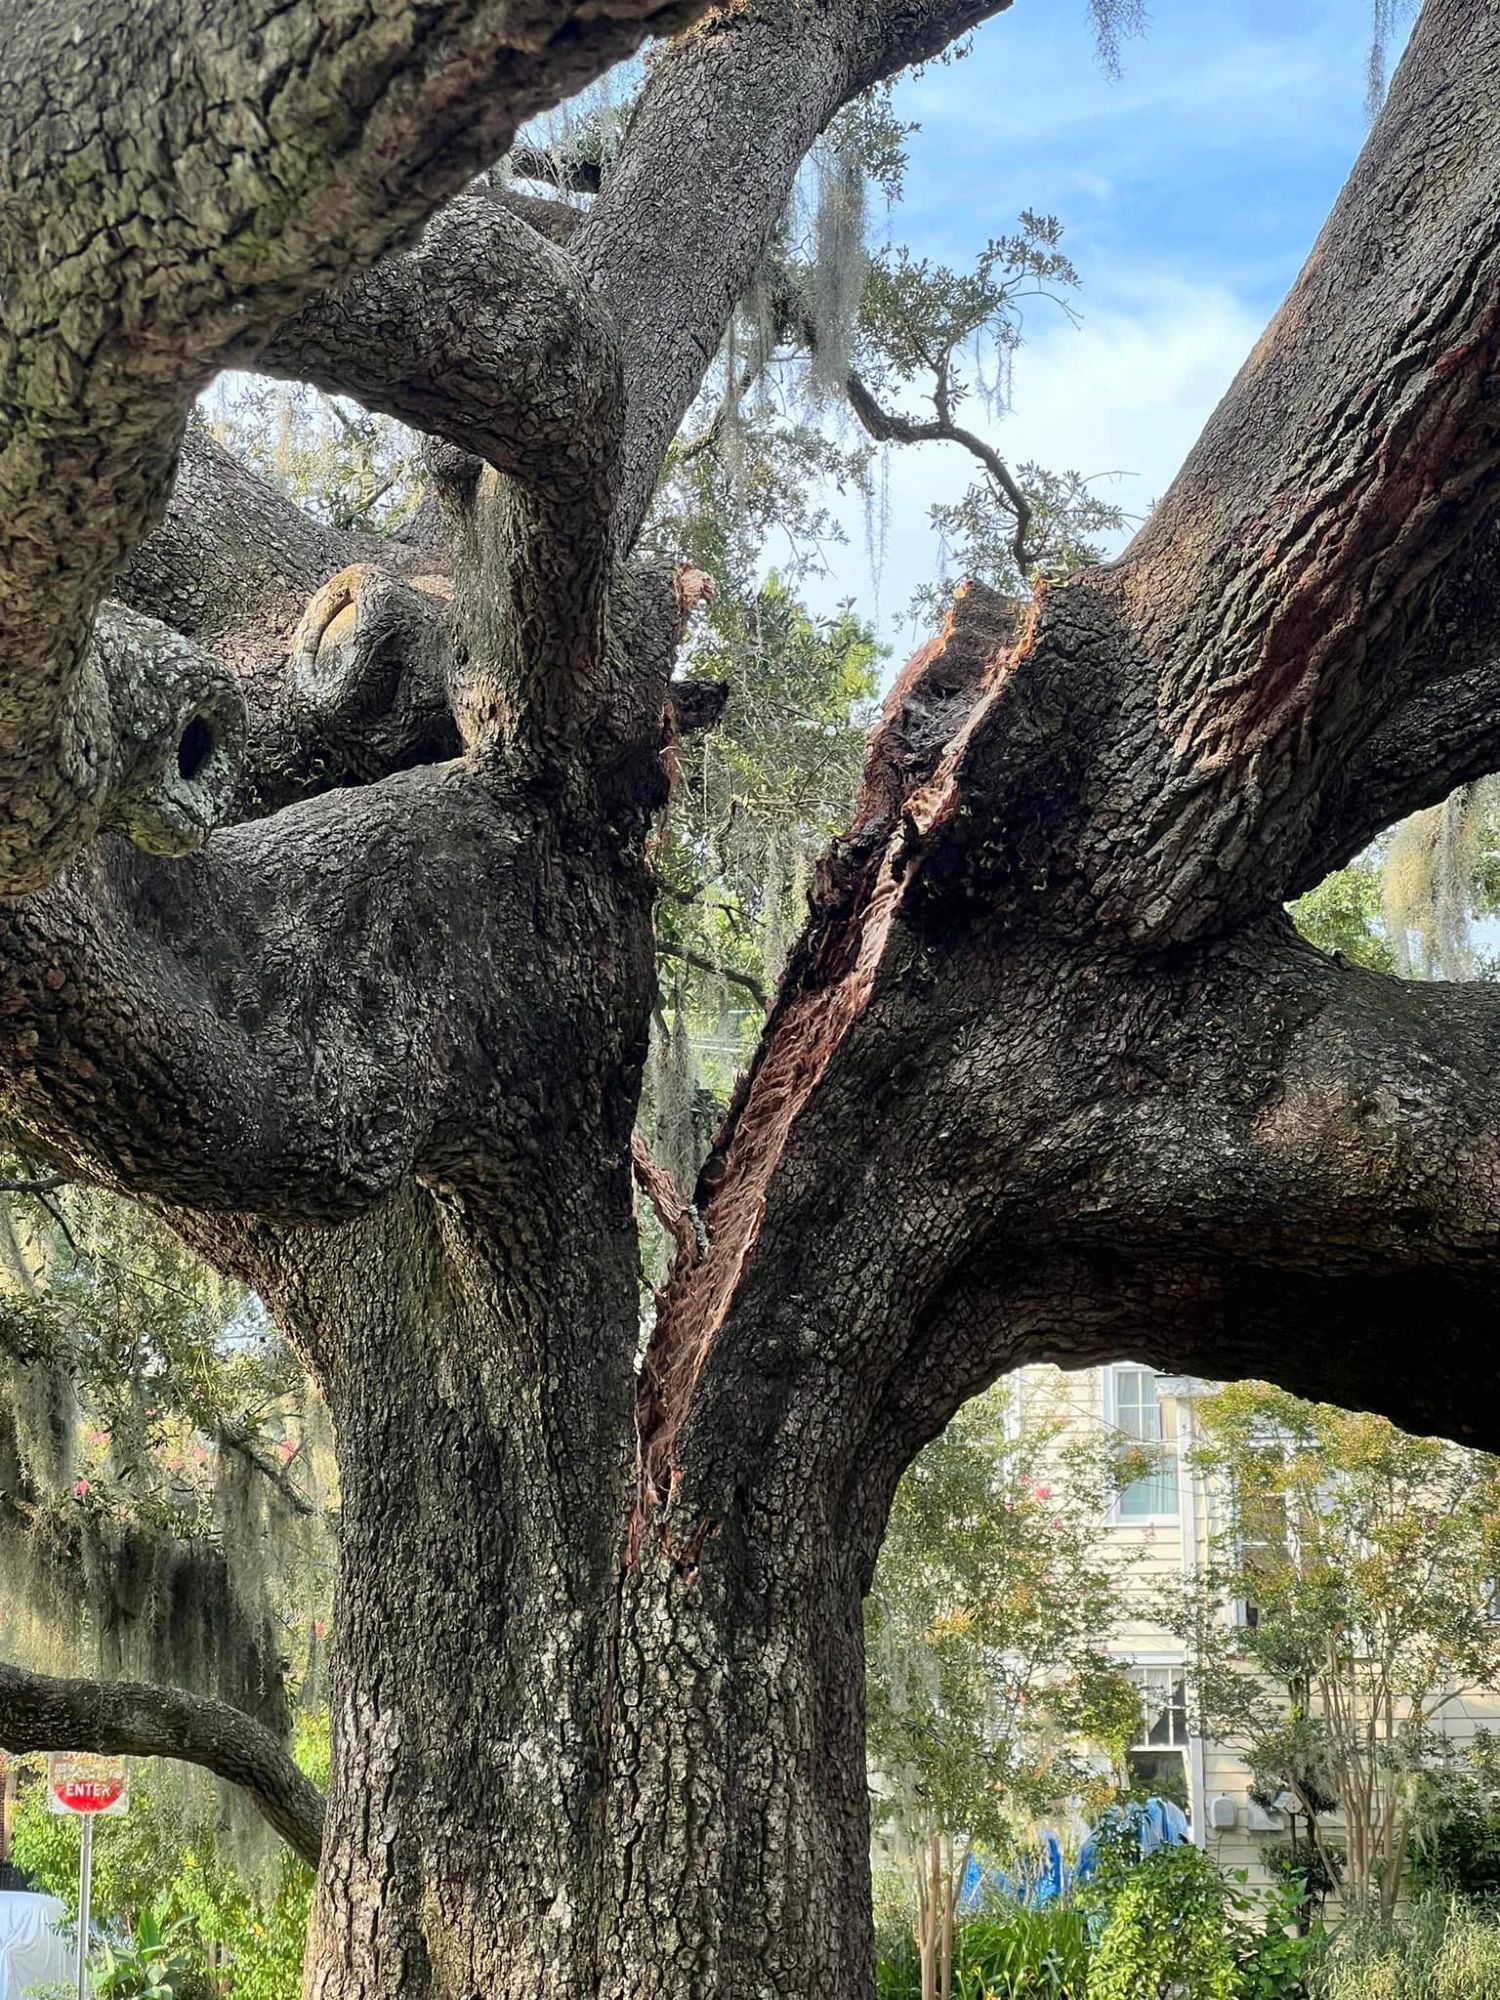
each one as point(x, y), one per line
point(1190, 190)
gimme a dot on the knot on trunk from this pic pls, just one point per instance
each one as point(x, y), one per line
point(367, 672)
point(178, 728)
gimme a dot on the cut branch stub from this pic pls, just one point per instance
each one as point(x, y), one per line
point(367, 672)
point(177, 728)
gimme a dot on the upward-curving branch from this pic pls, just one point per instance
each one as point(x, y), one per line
point(708, 162)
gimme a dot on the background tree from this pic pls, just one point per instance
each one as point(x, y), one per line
point(350, 467)
point(991, 1688)
point(1344, 1608)
point(166, 1505)
point(328, 925)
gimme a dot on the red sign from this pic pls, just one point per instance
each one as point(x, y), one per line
point(87, 1784)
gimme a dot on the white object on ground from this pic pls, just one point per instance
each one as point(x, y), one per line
point(33, 1951)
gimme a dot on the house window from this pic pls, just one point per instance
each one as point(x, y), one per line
point(1144, 1427)
point(1266, 1546)
point(1157, 1760)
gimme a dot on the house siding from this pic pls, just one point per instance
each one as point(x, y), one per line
point(1152, 1556)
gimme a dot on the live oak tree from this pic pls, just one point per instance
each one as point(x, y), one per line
point(328, 928)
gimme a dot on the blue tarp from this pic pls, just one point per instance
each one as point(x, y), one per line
point(1039, 1878)
point(1043, 1876)
point(1157, 1823)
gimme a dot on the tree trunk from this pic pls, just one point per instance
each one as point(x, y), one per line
point(927, 1917)
point(483, 1483)
point(1048, 1077)
point(950, 1898)
point(571, 1756)
point(738, 1820)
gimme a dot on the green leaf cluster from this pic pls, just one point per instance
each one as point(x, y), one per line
point(991, 1685)
point(1167, 1931)
point(1346, 1605)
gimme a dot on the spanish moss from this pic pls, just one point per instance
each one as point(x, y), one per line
point(840, 258)
point(1427, 884)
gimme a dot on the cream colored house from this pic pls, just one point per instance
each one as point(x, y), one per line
point(1163, 1528)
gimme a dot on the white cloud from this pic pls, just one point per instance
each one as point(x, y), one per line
point(1129, 391)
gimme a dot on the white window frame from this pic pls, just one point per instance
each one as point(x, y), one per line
point(1176, 1667)
point(1117, 1518)
point(1191, 1749)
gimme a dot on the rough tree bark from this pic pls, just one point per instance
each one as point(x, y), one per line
point(1048, 1076)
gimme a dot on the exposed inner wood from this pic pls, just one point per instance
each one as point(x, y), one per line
point(909, 787)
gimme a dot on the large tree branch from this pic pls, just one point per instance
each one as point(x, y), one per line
point(1446, 736)
point(947, 1082)
point(136, 1719)
point(185, 1027)
point(1444, 732)
point(250, 160)
point(1274, 607)
point(485, 335)
point(281, 1024)
point(1253, 1161)
point(705, 170)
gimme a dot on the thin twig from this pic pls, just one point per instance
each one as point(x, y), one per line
point(891, 427)
point(695, 958)
point(236, 1438)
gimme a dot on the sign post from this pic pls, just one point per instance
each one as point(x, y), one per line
point(85, 1898)
point(87, 1786)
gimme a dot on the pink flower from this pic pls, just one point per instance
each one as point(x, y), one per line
point(1057, 1520)
point(1044, 1493)
point(287, 1449)
point(81, 1489)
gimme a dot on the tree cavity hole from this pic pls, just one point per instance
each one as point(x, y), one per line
point(194, 748)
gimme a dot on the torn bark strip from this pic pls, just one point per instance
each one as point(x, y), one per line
point(909, 786)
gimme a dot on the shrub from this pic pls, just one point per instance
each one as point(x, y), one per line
point(1441, 1951)
point(1011, 1954)
point(1167, 1930)
point(153, 1963)
point(1458, 1852)
point(1041, 1953)
point(1271, 1962)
